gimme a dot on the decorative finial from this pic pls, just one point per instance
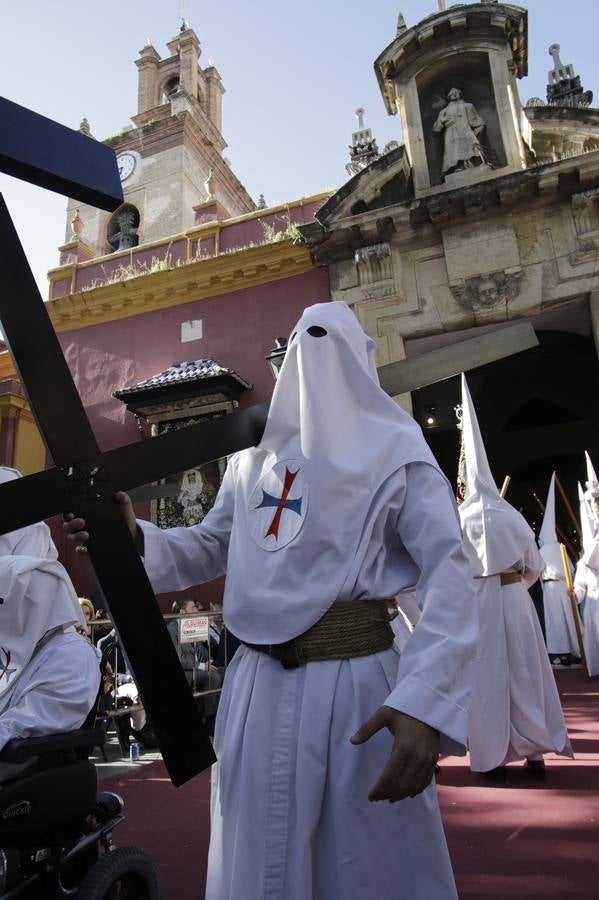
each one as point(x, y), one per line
point(363, 148)
point(261, 202)
point(84, 127)
point(441, 5)
point(401, 24)
point(210, 185)
point(559, 70)
point(77, 226)
point(148, 42)
point(564, 88)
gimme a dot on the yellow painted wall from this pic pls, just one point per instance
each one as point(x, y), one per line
point(30, 452)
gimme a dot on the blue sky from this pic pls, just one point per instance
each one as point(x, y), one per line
point(294, 74)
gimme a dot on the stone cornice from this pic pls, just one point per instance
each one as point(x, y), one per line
point(183, 284)
point(338, 240)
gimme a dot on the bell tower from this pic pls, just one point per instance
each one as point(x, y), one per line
point(170, 162)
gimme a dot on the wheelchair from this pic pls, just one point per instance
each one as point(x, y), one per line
point(56, 830)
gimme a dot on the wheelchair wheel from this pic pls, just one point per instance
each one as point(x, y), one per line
point(122, 874)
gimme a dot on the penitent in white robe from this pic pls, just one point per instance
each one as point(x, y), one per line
point(55, 691)
point(515, 711)
point(586, 586)
point(559, 621)
point(291, 818)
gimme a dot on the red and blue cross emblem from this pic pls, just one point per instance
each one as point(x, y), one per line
point(5, 670)
point(278, 505)
point(281, 503)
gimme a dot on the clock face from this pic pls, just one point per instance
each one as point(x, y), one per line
point(126, 164)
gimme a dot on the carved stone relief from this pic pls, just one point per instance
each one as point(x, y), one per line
point(488, 296)
point(585, 209)
point(375, 271)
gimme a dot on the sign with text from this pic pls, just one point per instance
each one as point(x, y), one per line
point(195, 629)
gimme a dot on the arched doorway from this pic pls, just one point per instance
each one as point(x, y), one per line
point(537, 412)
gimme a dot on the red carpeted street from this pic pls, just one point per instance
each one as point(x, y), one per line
point(519, 840)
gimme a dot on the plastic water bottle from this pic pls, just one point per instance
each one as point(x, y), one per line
point(134, 752)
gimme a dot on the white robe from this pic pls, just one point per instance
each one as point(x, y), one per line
point(515, 711)
point(291, 818)
point(560, 629)
point(586, 586)
point(55, 691)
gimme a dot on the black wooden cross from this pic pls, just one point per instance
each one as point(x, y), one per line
point(84, 480)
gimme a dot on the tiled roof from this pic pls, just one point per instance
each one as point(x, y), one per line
point(183, 373)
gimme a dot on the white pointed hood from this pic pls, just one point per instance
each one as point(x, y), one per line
point(496, 535)
point(332, 442)
point(592, 481)
point(36, 596)
point(590, 518)
point(548, 534)
point(585, 521)
point(549, 546)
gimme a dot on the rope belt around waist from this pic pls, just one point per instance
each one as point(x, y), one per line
point(510, 578)
point(505, 578)
point(346, 631)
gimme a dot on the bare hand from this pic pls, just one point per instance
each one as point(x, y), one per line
point(75, 528)
point(413, 759)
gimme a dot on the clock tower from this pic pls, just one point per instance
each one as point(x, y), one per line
point(170, 162)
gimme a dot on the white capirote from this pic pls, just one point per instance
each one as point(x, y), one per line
point(49, 675)
point(515, 710)
point(341, 501)
point(586, 581)
point(560, 628)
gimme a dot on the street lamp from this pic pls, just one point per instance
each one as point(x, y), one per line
point(276, 356)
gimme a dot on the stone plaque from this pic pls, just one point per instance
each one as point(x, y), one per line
point(479, 248)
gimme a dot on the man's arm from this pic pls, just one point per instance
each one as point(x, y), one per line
point(428, 710)
point(179, 558)
point(435, 671)
point(175, 558)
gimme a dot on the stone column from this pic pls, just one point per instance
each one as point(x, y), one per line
point(215, 91)
point(189, 54)
point(147, 86)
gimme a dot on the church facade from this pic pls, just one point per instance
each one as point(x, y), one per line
point(488, 212)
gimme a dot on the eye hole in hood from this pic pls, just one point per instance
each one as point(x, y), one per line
point(317, 331)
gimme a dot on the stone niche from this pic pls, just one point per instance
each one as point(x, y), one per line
point(471, 73)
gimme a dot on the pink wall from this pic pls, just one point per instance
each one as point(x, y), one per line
point(241, 234)
point(172, 252)
point(233, 236)
point(239, 329)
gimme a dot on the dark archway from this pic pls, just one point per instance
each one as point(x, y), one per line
point(122, 228)
point(537, 412)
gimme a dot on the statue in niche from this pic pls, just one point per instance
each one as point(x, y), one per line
point(462, 129)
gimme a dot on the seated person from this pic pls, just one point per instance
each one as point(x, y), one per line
point(201, 673)
point(49, 675)
point(123, 693)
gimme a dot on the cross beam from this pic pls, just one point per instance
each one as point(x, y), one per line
point(41, 151)
point(47, 154)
